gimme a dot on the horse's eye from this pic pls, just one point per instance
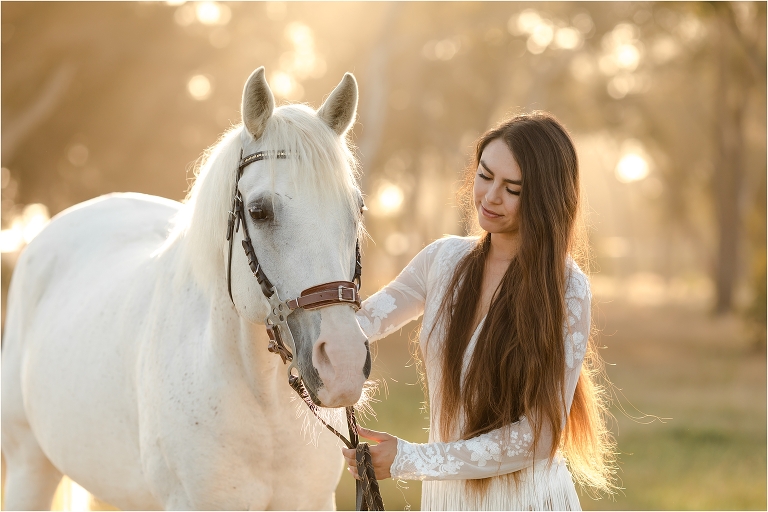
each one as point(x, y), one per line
point(257, 213)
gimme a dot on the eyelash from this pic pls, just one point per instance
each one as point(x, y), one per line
point(488, 178)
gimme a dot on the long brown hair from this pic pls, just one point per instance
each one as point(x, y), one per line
point(518, 365)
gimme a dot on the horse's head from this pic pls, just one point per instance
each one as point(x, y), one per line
point(303, 214)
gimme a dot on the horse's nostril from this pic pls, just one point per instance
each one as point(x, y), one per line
point(367, 365)
point(321, 358)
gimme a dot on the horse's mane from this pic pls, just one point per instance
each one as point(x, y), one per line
point(318, 159)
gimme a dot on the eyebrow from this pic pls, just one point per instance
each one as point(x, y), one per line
point(513, 182)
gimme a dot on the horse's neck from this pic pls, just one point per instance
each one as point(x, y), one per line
point(242, 347)
point(234, 347)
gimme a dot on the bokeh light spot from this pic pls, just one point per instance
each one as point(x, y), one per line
point(212, 13)
point(388, 200)
point(525, 22)
point(631, 167)
point(568, 38)
point(78, 155)
point(300, 34)
point(446, 49)
point(199, 87)
point(285, 86)
point(628, 56)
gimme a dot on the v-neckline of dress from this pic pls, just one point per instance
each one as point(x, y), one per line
point(479, 326)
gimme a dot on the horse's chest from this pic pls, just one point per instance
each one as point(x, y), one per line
point(242, 455)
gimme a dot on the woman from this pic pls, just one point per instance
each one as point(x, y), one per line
point(510, 400)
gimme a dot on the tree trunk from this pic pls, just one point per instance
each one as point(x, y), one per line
point(731, 97)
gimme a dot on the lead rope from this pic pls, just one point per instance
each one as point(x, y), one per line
point(367, 493)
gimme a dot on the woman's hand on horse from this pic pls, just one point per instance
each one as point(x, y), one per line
point(382, 454)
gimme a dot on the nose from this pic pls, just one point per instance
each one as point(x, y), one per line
point(341, 357)
point(493, 196)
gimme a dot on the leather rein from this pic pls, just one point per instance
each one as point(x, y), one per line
point(281, 339)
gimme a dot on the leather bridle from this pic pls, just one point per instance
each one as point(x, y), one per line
point(281, 339)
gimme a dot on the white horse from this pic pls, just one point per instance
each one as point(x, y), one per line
point(126, 366)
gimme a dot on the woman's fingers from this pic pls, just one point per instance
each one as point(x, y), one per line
point(373, 434)
point(382, 454)
point(348, 453)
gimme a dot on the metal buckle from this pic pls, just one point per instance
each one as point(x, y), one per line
point(341, 294)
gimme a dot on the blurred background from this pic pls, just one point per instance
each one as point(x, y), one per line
point(666, 103)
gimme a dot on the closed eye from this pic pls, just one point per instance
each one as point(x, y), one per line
point(486, 178)
point(514, 192)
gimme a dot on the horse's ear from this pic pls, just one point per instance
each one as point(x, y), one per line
point(258, 103)
point(340, 108)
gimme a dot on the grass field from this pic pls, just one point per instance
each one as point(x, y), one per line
point(696, 373)
point(700, 374)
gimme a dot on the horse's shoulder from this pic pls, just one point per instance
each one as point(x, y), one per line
point(107, 225)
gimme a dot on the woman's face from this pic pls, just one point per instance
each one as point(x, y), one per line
point(497, 189)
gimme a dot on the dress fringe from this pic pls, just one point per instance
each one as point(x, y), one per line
point(545, 487)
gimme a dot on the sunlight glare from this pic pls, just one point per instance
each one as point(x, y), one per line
point(35, 217)
point(285, 86)
point(80, 499)
point(212, 13)
point(631, 167)
point(627, 56)
point(388, 200)
point(302, 62)
point(24, 227)
point(11, 240)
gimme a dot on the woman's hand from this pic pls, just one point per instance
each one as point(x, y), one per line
point(382, 454)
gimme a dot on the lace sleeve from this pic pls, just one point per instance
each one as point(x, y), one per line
point(507, 449)
point(400, 301)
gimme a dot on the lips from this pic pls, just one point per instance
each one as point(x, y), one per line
point(489, 214)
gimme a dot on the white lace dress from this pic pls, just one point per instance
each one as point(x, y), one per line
point(443, 465)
